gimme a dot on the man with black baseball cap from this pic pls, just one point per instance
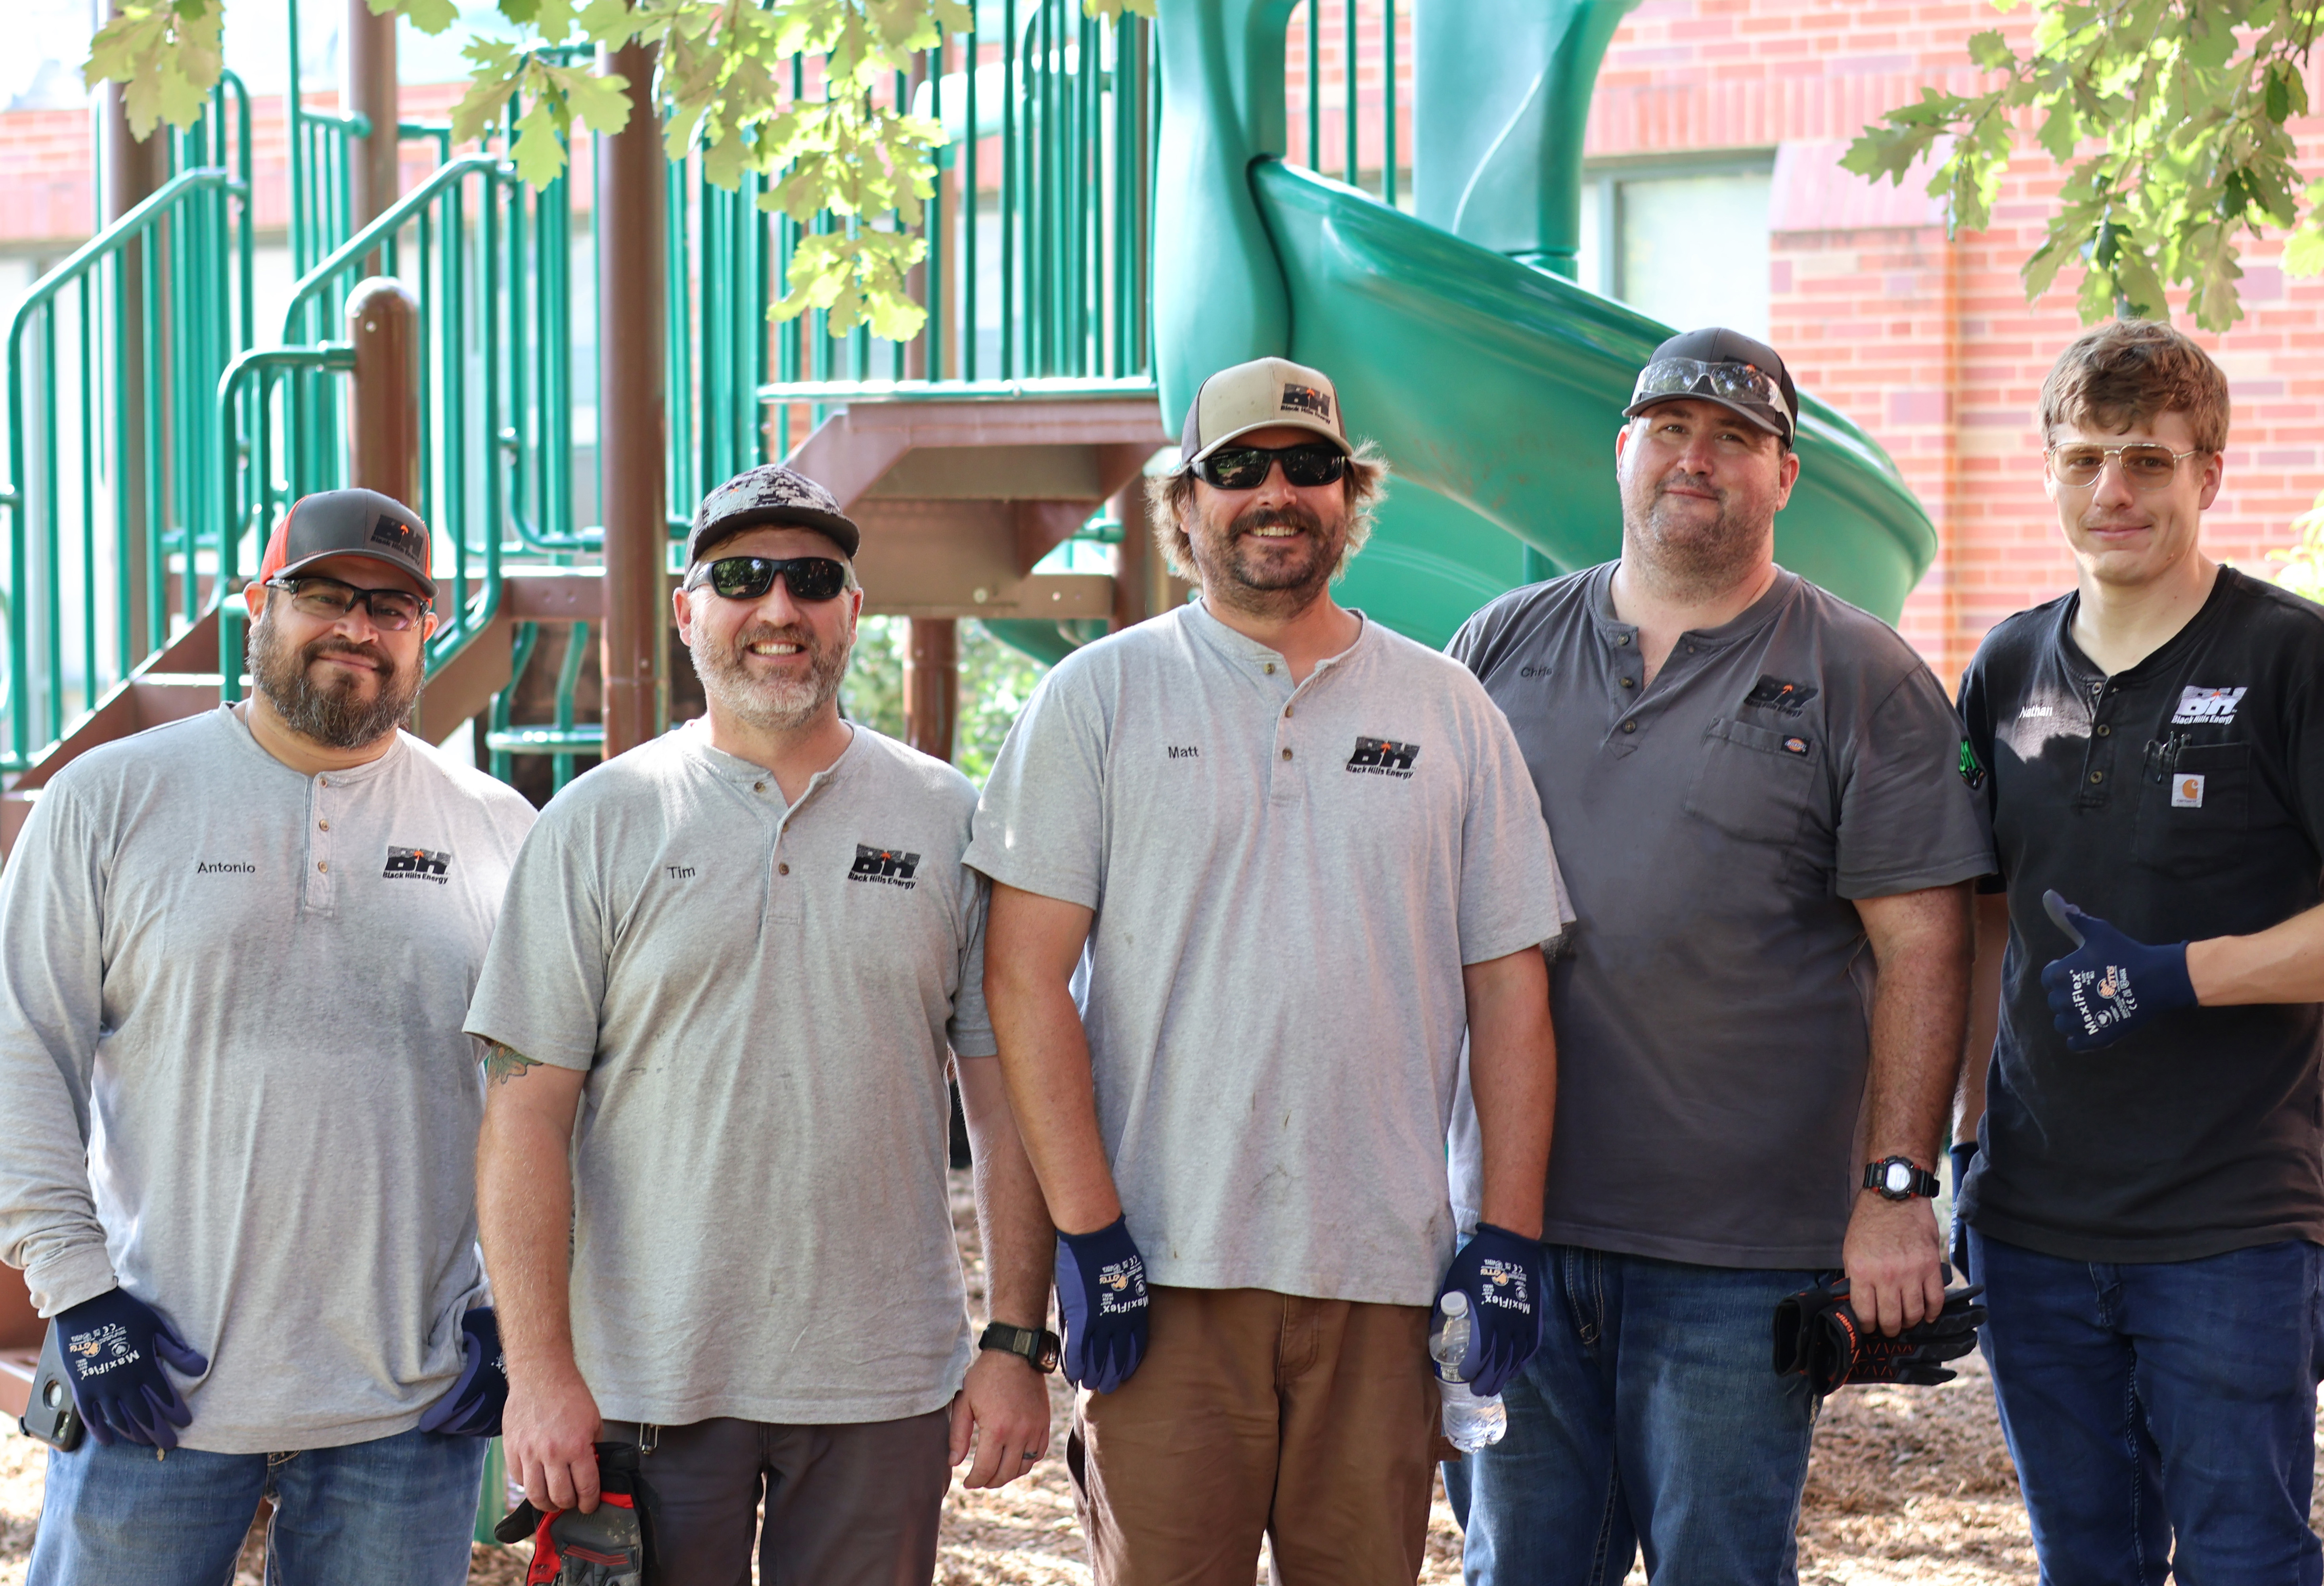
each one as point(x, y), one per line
point(1752, 789)
point(238, 1114)
point(752, 946)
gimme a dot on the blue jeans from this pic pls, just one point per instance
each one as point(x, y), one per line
point(397, 1511)
point(1651, 1417)
point(2153, 1400)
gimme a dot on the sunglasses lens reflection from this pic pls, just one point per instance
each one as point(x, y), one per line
point(811, 578)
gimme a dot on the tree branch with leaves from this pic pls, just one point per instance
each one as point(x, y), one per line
point(723, 79)
point(2173, 119)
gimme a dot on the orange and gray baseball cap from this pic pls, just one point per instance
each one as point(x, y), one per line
point(768, 494)
point(1262, 395)
point(349, 524)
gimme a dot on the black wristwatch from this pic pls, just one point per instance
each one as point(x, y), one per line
point(1900, 1178)
point(1036, 1345)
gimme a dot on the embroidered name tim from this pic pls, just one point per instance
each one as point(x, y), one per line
point(890, 867)
point(1383, 757)
point(418, 864)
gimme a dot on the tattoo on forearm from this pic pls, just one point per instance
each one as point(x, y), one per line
point(503, 1063)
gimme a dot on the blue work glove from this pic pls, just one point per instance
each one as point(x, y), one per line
point(1501, 1274)
point(2109, 985)
point(115, 1346)
point(1102, 1300)
point(472, 1406)
point(1963, 1155)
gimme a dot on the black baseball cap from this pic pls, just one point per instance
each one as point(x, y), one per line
point(348, 523)
point(767, 494)
point(1744, 375)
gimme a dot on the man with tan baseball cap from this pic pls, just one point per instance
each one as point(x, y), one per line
point(1303, 858)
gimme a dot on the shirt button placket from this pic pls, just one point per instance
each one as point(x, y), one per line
point(321, 881)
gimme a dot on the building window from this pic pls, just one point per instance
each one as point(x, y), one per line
point(1685, 243)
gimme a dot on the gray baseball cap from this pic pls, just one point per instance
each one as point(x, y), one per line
point(1745, 376)
point(768, 494)
point(348, 523)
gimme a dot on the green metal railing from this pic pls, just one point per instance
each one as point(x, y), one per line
point(1362, 39)
point(113, 448)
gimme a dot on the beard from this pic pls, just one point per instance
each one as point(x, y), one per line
point(1696, 555)
point(335, 714)
point(771, 705)
point(1261, 574)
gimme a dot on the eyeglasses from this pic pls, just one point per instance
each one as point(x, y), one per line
point(1678, 377)
point(392, 611)
point(1246, 467)
point(810, 579)
point(2147, 464)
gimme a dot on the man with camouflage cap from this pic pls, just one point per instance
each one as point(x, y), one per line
point(752, 945)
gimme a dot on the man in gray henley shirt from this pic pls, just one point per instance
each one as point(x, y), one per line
point(722, 990)
point(237, 1112)
point(1298, 857)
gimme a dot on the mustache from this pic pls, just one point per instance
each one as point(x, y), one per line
point(797, 633)
point(336, 644)
point(1678, 477)
point(1289, 515)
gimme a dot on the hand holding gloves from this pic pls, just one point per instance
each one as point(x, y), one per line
point(1818, 1336)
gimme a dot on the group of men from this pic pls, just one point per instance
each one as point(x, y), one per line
point(1255, 925)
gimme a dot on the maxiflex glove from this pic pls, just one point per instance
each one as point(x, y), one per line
point(472, 1406)
point(1501, 1274)
point(115, 1346)
point(1818, 1336)
point(1101, 1302)
point(2110, 985)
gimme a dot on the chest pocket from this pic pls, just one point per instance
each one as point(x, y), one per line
point(2179, 836)
point(1754, 783)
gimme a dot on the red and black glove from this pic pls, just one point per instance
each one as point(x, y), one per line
point(610, 1545)
point(1818, 1336)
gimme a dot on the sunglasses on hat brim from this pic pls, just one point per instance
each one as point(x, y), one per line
point(1730, 382)
point(1246, 467)
point(808, 579)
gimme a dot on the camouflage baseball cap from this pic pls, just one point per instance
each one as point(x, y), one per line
point(770, 494)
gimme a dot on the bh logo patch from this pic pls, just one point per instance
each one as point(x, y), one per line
point(418, 864)
point(2208, 706)
point(1383, 757)
point(1306, 399)
point(889, 867)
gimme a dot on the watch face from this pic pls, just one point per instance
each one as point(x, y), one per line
point(1048, 1351)
point(1899, 1177)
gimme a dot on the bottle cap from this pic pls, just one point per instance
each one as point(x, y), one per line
point(1455, 1304)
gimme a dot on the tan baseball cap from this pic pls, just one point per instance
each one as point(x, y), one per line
point(1259, 395)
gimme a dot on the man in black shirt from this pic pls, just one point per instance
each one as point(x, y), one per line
point(2145, 1193)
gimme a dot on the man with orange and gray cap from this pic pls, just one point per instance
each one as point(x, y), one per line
point(237, 1112)
point(1299, 858)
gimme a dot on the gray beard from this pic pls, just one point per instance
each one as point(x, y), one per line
point(769, 704)
point(1247, 584)
point(336, 717)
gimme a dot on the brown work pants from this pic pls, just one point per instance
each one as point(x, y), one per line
point(849, 1505)
point(1309, 1421)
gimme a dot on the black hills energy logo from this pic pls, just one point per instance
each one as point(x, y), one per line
point(1383, 757)
point(418, 864)
point(889, 867)
point(1306, 399)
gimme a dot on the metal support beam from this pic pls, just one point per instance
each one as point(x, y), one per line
point(383, 416)
point(932, 685)
point(630, 166)
point(369, 90)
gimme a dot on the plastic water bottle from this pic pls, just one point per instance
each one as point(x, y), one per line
point(1470, 1422)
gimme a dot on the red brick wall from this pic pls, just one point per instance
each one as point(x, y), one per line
point(1930, 344)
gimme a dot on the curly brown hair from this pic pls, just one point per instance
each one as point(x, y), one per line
point(1169, 497)
point(2127, 371)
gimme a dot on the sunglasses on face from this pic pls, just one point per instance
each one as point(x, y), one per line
point(1246, 467)
point(810, 579)
point(392, 611)
point(2147, 464)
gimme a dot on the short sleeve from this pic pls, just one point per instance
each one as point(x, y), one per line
point(1040, 823)
point(1974, 702)
point(1512, 895)
point(969, 1032)
point(543, 984)
point(1907, 816)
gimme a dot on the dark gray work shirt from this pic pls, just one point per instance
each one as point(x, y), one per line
point(1712, 1001)
point(2181, 798)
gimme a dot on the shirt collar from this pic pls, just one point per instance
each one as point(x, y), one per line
point(1243, 651)
point(1761, 612)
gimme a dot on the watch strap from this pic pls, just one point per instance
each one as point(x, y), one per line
point(1036, 1346)
point(1919, 1180)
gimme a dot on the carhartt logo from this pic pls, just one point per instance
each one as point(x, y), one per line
point(1306, 399)
point(418, 864)
point(1383, 757)
point(890, 867)
point(395, 536)
point(1775, 695)
point(2213, 707)
point(224, 867)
